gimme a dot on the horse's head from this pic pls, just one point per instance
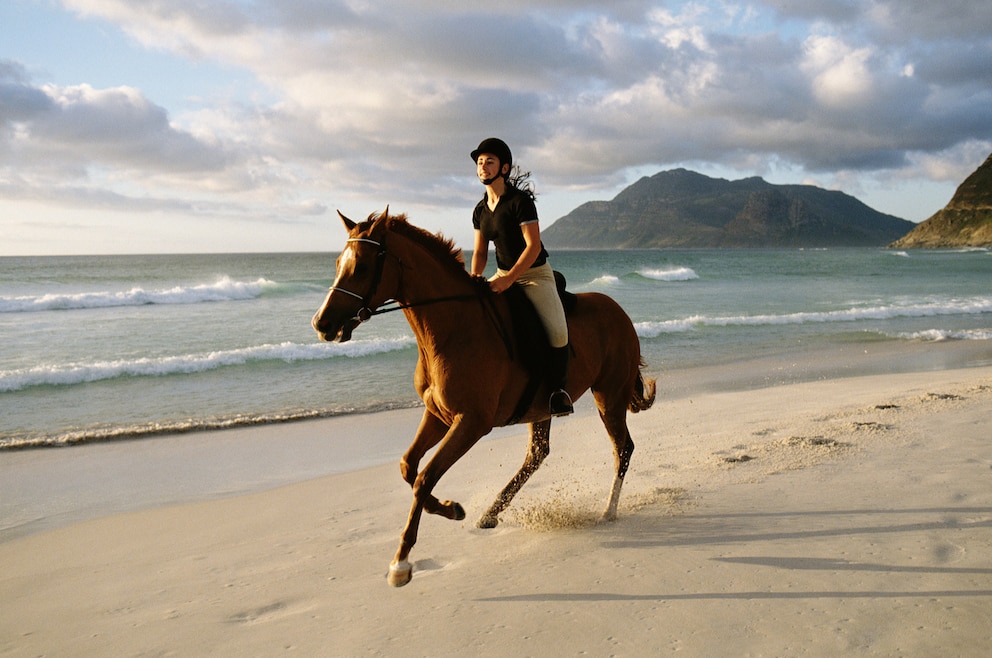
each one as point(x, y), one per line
point(358, 287)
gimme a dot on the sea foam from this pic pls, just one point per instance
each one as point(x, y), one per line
point(224, 289)
point(605, 280)
point(935, 335)
point(673, 274)
point(69, 374)
point(651, 329)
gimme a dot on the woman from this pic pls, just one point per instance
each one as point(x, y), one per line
point(507, 216)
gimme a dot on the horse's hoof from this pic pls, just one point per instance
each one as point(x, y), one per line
point(487, 522)
point(400, 574)
point(451, 510)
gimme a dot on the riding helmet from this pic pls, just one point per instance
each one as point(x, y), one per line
point(496, 147)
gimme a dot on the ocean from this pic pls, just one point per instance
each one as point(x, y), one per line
point(99, 348)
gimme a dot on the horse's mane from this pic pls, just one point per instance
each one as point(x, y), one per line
point(443, 249)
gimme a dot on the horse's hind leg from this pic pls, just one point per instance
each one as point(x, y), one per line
point(537, 450)
point(623, 447)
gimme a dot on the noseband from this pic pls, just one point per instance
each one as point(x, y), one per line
point(365, 313)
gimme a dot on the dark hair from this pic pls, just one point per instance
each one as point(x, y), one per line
point(521, 180)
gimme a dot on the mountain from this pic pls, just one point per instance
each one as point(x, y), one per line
point(681, 208)
point(966, 221)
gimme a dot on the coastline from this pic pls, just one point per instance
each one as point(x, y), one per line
point(844, 515)
point(47, 488)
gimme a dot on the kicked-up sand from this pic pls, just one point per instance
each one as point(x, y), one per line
point(849, 516)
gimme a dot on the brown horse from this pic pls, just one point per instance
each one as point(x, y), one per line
point(465, 375)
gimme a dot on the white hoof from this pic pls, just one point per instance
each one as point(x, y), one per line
point(400, 574)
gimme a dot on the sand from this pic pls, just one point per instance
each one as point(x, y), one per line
point(849, 516)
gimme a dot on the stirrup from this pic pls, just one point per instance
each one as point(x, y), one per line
point(560, 403)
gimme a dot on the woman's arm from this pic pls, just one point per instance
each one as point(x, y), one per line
point(480, 254)
point(532, 240)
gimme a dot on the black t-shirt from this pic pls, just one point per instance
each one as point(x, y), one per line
point(502, 226)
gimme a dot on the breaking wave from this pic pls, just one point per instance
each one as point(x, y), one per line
point(69, 374)
point(673, 274)
point(934, 335)
point(224, 289)
point(652, 329)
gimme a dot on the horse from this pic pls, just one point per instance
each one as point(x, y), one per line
point(466, 373)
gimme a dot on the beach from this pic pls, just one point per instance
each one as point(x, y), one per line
point(846, 516)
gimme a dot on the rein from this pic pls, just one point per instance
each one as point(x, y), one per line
point(400, 306)
point(365, 313)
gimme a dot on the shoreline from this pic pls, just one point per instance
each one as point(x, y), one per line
point(808, 360)
point(848, 515)
point(47, 488)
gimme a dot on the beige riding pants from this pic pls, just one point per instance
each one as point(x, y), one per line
point(539, 286)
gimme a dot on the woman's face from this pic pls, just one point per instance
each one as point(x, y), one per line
point(487, 166)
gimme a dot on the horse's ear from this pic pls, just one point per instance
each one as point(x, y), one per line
point(385, 213)
point(348, 224)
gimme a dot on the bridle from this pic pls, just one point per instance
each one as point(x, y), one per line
point(365, 313)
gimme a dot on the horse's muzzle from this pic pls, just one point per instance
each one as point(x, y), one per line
point(337, 332)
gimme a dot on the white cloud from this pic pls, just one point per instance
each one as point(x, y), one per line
point(839, 74)
point(370, 103)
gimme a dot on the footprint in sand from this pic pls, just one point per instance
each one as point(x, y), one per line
point(870, 426)
point(258, 614)
point(941, 396)
point(788, 454)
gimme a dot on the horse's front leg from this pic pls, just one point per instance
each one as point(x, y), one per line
point(429, 434)
point(461, 436)
point(537, 450)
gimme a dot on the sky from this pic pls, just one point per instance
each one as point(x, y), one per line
point(203, 126)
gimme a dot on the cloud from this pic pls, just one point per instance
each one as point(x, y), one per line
point(384, 100)
point(51, 134)
point(119, 126)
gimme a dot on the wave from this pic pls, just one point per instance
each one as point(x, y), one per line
point(652, 329)
point(674, 274)
point(224, 289)
point(82, 373)
point(605, 280)
point(671, 274)
point(935, 335)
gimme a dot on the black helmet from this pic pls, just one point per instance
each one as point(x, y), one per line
point(495, 146)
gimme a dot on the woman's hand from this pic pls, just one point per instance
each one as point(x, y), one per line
point(499, 284)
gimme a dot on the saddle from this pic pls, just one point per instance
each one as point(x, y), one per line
point(533, 351)
point(568, 299)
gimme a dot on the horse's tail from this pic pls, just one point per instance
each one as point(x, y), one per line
point(644, 392)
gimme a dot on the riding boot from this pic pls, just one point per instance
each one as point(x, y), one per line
point(560, 403)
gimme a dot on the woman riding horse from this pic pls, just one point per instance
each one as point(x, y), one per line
point(468, 387)
point(506, 215)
